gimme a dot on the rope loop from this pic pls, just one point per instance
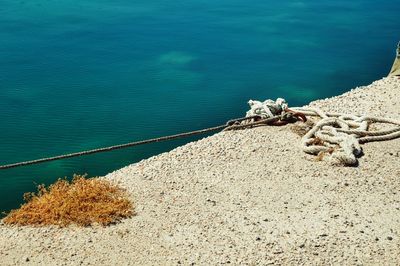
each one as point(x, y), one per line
point(337, 137)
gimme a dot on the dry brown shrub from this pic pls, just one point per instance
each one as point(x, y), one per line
point(82, 201)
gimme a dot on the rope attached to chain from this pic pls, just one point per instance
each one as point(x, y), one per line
point(336, 134)
point(233, 124)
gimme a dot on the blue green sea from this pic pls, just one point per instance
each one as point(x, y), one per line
point(80, 74)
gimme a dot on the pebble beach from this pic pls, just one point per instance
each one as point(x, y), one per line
point(243, 197)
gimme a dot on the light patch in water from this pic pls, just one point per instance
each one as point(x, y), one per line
point(176, 59)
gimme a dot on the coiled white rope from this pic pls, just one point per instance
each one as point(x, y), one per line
point(337, 136)
point(340, 135)
point(266, 109)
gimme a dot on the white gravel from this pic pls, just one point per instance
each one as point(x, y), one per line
point(243, 197)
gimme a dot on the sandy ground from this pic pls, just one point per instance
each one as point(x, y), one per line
point(244, 197)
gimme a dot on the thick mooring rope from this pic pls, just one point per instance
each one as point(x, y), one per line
point(338, 136)
point(230, 125)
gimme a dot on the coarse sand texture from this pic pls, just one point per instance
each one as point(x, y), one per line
point(243, 197)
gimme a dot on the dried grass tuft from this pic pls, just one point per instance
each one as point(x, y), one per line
point(82, 202)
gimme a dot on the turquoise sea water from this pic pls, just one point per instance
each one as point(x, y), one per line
point(78, 75)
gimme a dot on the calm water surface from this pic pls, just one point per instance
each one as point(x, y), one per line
point(78, 75)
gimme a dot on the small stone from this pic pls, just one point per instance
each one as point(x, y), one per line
point(258, 238)
point(27, 259)
point(278, 251)
point(389, 238)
